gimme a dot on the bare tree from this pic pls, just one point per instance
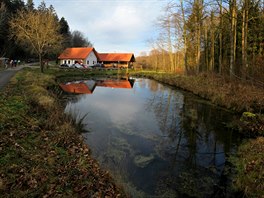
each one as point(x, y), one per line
point(198, 11)
point(37, 30)
point(184, 35)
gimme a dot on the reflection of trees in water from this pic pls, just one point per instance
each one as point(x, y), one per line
point(190, 126)
point(204, 128)
point(167, 105)
point(193, 138)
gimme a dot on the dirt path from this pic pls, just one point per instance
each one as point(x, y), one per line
point(7, 74)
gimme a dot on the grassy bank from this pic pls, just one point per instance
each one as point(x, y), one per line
point(250, 168)
point(42, 154)
point(233, 95)
point(242, 98)
point(72, 74)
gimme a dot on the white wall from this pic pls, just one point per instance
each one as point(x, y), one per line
point(91, 59)
point(68, 62)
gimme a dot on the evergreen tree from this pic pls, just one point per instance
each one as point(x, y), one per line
point(65, 32)
point(78, 40)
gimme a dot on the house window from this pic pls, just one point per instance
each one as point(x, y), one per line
point(69, 62)
point(87, 62)
point(64, 62)
point(93, 62)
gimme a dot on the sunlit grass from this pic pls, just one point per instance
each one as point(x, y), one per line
point(42, 153)
point(232, 94)
point(250, 169)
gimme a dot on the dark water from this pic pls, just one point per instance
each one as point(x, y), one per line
point(156, 141)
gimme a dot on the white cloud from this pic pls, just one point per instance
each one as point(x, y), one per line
point(111, 25)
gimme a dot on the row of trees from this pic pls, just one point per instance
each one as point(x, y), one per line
point(25, 30)
point(223, 36)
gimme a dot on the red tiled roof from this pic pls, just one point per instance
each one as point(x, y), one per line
point(76, 53)
point(114, 57)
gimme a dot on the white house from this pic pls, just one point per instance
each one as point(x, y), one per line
point(89, 56)
point(85, 55)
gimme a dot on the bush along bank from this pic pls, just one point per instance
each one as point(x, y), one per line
point(240, 98)
point(42, 155)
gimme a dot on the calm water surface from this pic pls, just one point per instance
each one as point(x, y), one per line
point(156, 141)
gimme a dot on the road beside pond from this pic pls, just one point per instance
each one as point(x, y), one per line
point(7, 74)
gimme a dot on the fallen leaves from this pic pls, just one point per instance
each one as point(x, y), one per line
point(43, 156)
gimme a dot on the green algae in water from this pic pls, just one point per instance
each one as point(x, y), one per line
point(143, 161)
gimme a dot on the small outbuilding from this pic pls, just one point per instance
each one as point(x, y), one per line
point(117, 59)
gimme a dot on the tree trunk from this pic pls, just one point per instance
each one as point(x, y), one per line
point(206, 54)
point(233, 32)
point(244, 37)
point(199, 7)
point(170, 44)
point(198, 47)
point(156, 61)
point(220, 58)
point(212, 38)
point(41, 63)
point(184, 38)
point(163, 60)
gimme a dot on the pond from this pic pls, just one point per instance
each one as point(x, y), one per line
point(156, 141)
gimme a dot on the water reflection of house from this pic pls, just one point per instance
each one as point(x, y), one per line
point(79, 87)
point(126, 84)
point(88, 86)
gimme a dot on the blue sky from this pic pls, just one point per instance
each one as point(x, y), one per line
point(112, 25)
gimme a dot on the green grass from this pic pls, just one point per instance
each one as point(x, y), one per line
point(250, 168)
point(235, 95)
point(42, 154)
point(41, 151)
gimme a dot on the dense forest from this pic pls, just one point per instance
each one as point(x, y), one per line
point(221, 36)
point(10, 48)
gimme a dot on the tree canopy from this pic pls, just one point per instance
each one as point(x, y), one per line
point(37, 31)
point(78, 40)
point(14, 48)
point(222, 36)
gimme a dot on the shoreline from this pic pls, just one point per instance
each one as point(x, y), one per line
point(42, 153)
point(37, 135)
point(236, 97)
